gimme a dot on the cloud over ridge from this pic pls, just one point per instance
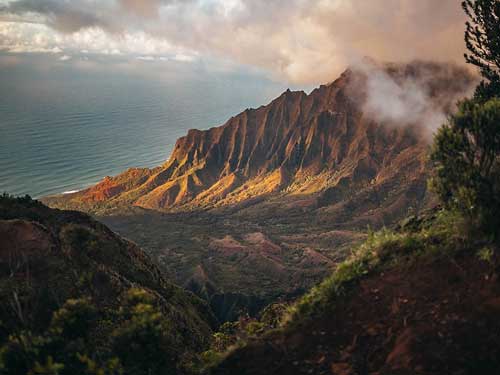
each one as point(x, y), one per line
point(305, 41)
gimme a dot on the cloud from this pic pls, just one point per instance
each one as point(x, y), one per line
point(420, 93)
point(307, 41)
point(146, 58)
point(16, 37)
point(145, 8)
point(64, 58)
point(62, 15)
point(183, 58)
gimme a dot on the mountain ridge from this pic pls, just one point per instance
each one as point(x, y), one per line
point(278, 148)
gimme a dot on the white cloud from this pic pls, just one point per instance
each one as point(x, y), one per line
point(301, 40)
point(146, 58)
point(183, 58)
point(64, 58)
point(28, 37)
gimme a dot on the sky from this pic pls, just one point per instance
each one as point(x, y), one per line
point(299, 41)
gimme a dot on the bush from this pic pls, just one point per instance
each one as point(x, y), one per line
point(465, 155)
point(21, 353)
point(74, 319)
point(145, 342)
point(63, 349)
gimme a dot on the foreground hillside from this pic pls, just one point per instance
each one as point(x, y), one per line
point(421, 300)
point(265, 205)
point(67, 280)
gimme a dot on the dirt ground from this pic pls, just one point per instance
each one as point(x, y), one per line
point(432, 317)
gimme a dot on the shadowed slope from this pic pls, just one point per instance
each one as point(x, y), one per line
point(48, 257)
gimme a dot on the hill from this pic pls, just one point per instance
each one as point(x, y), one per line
point(422, 299)
point(54, 261)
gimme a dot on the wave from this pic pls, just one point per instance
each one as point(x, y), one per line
point(70, 192)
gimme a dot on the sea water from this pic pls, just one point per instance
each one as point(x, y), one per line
point(62, 130)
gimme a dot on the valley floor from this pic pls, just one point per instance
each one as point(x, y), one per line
point(239, 263)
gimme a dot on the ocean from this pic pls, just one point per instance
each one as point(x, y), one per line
point(62, 130)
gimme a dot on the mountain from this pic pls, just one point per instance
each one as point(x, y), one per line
point(51, 258)
point(298, 144)
point(265, 205)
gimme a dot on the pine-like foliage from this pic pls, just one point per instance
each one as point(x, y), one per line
point(482, 38)
point(466, 150)
point(467, 166)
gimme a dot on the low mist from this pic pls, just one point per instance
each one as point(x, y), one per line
point(420, 94)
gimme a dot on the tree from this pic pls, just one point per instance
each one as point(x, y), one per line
point(467, 164)
point(466, 150)
point(482, 39)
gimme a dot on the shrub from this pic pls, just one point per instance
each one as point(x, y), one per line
point(465, 155)
point(145, 342)
point(21, 353)
point(73, 320)
point(63, 349)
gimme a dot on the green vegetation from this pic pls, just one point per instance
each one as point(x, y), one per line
point(482, 38)
point(435, 234)
point(78, 299)
point(233, 335)
point(467, 165)
point(63, 348)
point(146, 342)
point(466, 150)
point(143, 342)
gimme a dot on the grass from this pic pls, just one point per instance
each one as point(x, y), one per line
point(440, 234)
point(434, 234)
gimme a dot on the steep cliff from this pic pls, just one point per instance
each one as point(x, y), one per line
point(325, 142)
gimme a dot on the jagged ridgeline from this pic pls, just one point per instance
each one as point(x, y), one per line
point(72, 291)
point(300, 145)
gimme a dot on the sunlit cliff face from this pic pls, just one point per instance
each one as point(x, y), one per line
point(306, 41)
point(369, 127)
